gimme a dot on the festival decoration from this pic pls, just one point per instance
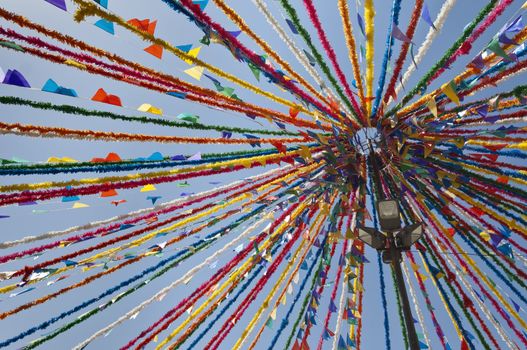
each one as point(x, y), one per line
point(226, 187)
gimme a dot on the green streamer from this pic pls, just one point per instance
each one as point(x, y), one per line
point(399, 309)
point(307, 38)
point(422, 84)
point(78, 111)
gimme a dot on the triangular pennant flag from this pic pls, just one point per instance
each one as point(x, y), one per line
point(102, 96)
point(61, 4)
point(155, 50)
point(425, 15)
point(14, 77)
point(109, 193)
point(432, 106)
point(78, 205)
point(195, 72)
point(148, 108)
point(186, 48)
point(449, 89)
point(105, 25)
point(193, 53)
point(53, 87)
point(201, 3)
point(399, 35)
point(148, 188)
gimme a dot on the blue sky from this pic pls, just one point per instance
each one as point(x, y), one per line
point(178, 30)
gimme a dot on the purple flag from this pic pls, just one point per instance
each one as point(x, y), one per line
point(361, 24)
point(399, 35)
point(61, 4)
point(425, 15)
point(14, 77)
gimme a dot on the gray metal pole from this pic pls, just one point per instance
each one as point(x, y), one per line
point(401, 286)
point(396, 257)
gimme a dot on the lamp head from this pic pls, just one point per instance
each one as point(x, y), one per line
point(372, 237)
point(409, 235)
point(389, 214)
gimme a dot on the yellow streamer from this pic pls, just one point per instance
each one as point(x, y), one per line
point(352, 47)
point(90, 181)
point(236, 19)
point(369, 13)
point(233, 276)
point(87, 9)
point(248, 329)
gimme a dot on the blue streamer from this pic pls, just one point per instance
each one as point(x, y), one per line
point(209, 238)
point(449, 305)
point(285, 321)
point(394, 19)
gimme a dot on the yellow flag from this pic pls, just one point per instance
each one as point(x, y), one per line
point(450, 91)
point(432, 106)
point(78, 205)
point(194, 53)
point(195, 72)
point(146, 107)
point(148, 188)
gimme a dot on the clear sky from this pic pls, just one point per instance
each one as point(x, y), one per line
point(178, 30)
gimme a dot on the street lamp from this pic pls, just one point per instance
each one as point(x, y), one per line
point(389, 214)
point(391, 241)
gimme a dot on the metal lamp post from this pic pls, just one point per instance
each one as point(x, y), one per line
point(392, 240)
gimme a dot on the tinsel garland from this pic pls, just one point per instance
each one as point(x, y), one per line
point(202, 95)
point(79, 111)
point(231, 164)
point(369, 14)
point(174, 284)
point(333, 295)
point(312, 12)
point(229, 324)
point(441, 62)
point(187, 302)
point(352, 48)
point(258, 60)
point(146, 83)
point(437, 326)
point(314, 278)
point(109, 229)
point(294, 258)
point(47, 131)
point(411, 200)
point(394, 20)
point(390, 92)
point(134, 216)
point(238, 20)
point(173, 314)
point(134, 164)
point(291, 45)
point(439, 22)
point(291, 12)
point(190, 216)
point(466, 46)
point(415, 303)
point(322, 285)
point(451, 244)
point(208, 240)
point(89, 9)
point(471, 242)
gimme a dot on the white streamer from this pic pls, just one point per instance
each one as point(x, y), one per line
point(94, 224)
point(300, 56)
point(164, 291)
point(438, 23)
